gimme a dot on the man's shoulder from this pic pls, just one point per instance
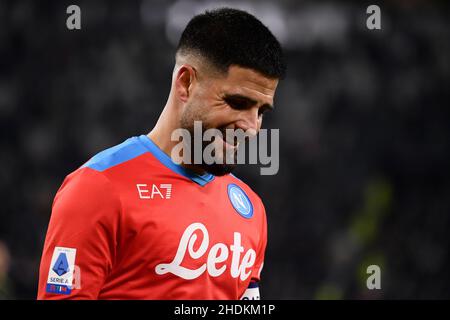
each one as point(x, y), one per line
point(114, 165)
point(117, 155)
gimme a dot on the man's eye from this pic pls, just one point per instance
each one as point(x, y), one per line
point(236, 104)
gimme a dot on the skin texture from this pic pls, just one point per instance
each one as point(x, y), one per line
point(233, 100)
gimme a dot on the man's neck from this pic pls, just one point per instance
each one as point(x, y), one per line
point(163, 141)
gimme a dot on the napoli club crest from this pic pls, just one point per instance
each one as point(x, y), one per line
point(240, 201)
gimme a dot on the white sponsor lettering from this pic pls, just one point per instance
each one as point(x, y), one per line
point(217, 255)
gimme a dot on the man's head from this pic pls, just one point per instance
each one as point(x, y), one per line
point(227, 69)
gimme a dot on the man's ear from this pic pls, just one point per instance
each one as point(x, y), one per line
point(184, 80)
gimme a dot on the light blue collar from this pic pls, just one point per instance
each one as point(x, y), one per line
point(167, 161)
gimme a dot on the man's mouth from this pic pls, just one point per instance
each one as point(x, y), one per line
point(232, 145)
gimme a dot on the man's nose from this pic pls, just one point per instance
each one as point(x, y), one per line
point(249, 121)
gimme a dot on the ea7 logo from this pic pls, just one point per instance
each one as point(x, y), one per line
point(162, 191)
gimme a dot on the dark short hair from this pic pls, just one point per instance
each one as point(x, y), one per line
point(233, 37)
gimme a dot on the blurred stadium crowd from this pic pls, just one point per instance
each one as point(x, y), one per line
point(364, 127)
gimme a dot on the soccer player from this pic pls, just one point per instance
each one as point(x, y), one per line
point(131, 223)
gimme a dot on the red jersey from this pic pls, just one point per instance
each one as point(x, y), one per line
point(132, 224)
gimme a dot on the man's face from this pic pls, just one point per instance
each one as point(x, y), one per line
point(235, 101)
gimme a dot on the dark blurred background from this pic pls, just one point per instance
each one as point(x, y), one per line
point(364, 133)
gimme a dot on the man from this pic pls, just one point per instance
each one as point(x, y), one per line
point(133, 224)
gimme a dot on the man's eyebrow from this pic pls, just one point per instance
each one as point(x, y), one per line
point(246, 99)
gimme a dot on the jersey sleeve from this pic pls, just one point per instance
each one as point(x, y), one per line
point(252, 292)
point(80, 244)
point(259, 263)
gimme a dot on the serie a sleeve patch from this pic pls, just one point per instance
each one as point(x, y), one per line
point(60, 274)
